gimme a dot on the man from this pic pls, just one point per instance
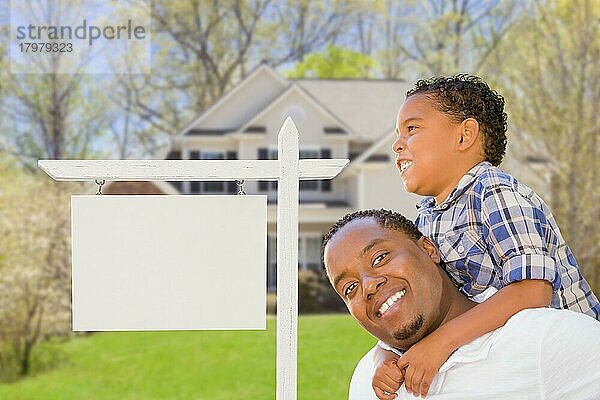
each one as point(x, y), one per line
point(389, 276)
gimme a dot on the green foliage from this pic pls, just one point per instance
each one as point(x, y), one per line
point(34, 267)
point(335, 63)
point(271, 303)
point(200, 365)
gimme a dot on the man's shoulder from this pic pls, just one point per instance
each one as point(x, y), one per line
point(538, 331)
point(551, 321)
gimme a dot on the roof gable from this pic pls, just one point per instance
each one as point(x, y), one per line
point(334, 125)
point(241, 103)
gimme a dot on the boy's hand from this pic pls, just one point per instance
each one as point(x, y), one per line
point(387, 379)
point(422, 362)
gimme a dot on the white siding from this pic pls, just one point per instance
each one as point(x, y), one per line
point(383, 188)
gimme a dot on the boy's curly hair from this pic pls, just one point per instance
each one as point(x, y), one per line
point(465, 96)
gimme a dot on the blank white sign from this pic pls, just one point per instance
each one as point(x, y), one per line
point(169, 262)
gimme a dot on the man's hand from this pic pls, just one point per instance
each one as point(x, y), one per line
point(422, 362)
point(387, 378)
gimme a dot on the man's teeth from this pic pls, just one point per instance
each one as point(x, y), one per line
point(404, 165)
point(389, 302)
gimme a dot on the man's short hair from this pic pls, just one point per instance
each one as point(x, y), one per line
point(465, 96)
point(385, 218)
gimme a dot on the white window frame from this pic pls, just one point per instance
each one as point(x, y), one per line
point(302, 256)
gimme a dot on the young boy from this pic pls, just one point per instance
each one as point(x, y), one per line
point(491, 230)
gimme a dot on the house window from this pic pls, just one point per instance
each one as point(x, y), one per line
point(313, 185)
point(309, 253)
point(208, 186)
point(322, 186)
point(195, 187)
point(271, 263)
point(212, 155)
point(309, 257)
point(267, 154)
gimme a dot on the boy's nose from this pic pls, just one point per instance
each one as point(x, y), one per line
point(399, 144)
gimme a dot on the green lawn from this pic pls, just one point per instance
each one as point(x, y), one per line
point(198, 365)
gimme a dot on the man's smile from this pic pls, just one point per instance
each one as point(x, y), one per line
point(389, 302)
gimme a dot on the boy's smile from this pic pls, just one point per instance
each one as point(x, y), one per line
point(426, 148)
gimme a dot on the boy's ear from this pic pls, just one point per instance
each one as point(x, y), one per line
point(469, 133)
point(430, 248)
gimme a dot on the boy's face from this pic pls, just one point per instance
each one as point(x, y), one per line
point(425, 148)
point(391, 284)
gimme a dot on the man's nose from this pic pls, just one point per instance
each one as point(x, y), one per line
point(399, 144)
point(371, 284)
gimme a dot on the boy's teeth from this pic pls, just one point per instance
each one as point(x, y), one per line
point(404, 165)
point(390, 301)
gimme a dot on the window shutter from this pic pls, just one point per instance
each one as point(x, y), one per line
point(194, 155)
point(263, 154)
point(326, 184)
point(231, 185)
point(195, 187)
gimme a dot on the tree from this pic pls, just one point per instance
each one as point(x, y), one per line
point(334, 62)
point(35, 283)
point(552, 85)
point(52, 114)
point(424, 38)
point(204, 47)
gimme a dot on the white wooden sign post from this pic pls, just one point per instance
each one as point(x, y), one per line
point(288, 169)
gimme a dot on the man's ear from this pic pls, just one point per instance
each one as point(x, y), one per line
point(469, 133)
point(430, 248)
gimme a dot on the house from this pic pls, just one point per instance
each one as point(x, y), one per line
point(336, 119)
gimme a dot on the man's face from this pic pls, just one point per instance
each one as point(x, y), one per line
point(391, 284)
point(424, 147)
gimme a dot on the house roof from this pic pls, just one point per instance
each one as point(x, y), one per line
point(368, 107)
point(365, 108)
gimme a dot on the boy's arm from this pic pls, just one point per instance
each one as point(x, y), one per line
point(495, 311)
point(521, 239)
point(423, 360)
point(387, 377)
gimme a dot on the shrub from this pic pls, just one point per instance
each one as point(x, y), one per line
point(316, 295)
point(271, 303)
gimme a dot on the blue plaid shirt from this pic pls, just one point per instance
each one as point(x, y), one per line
point(493, 230)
